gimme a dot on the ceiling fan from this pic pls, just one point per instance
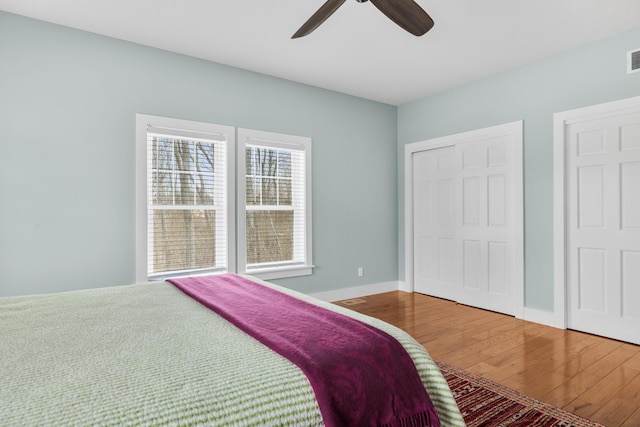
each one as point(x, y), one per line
point(406, 13)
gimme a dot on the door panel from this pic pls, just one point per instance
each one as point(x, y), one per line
point(592, 264)
point(498, 261)
point(486, 177)
point(590, 185)
point(471, 201)
point(434, 247)
point(603, 226)
point(498, 197)
point(472, 268)
point(630, 288)
point(630, 200)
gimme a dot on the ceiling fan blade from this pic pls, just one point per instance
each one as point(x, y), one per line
point(407, 14)
point(325, 11)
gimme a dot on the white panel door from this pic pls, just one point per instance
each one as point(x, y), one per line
point(435, 245)
point(486, 231)
point(603, 226)
point(467, 237)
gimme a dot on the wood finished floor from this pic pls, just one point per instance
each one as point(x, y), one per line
point(594, 377)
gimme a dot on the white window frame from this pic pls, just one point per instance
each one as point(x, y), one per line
point(185, 128)
point(273, 140)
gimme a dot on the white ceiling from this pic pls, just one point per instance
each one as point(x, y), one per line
point(358, 50)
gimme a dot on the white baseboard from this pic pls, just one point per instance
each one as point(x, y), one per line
point(543, 317)
point(404, 287)
point(356, 292)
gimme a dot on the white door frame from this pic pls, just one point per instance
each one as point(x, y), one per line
point(560, 122)
point(513, 128)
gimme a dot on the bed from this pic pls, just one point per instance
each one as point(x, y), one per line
point(150, 355)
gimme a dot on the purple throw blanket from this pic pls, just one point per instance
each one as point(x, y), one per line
point(361, 376)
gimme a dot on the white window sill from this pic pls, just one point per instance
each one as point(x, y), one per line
point(269, 273)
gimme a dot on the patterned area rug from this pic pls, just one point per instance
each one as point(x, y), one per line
point(488, 404)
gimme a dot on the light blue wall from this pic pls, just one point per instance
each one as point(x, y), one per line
point(589, 75)
point(67, 113)
point(68, 101)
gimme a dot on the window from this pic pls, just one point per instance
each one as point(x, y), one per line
point(185, 215)
point(185, 200)
point(274, 204)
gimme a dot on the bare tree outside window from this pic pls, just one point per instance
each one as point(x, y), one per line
point(182, 213)
point(270, 213)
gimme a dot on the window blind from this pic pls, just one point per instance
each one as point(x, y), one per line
point(275, 210)
point(186, 202)
point(275, 203)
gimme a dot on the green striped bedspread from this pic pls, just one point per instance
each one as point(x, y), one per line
point(148, 355)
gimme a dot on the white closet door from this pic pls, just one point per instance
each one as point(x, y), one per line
point(467, 217)
point(603, 226)
point(486, 230)
point(435, 243)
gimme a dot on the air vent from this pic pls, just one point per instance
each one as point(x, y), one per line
point(633, 61)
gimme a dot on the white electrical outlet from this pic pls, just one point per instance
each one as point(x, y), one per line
point(360, 271)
